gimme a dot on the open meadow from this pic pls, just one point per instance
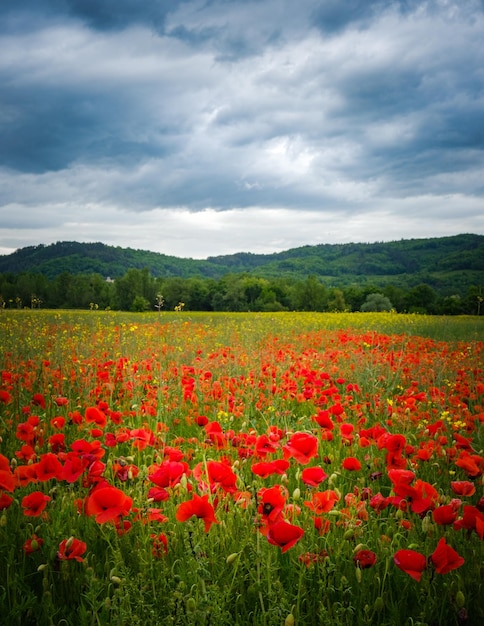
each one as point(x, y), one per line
point(211, 469)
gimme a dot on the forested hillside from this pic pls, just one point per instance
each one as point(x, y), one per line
point(437, 257)
point(440, 275)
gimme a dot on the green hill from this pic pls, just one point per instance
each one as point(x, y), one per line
point(448, 264)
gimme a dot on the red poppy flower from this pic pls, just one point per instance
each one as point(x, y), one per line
point(264, 446)
point(346, 431)
point(445, 558)
point(125, 471)
point(49, 467)
point(57, 443)
point(33, 544)
point(108, 504)
point(142, 437)
point(401, 476)
point(422, 495)
point(472, 519)
point(71, 549)
point(220, 475)
point(284, 535)
point(323, 419)
point(268, 468)
point(5, 396)
point(96, 416)
point(150, 515)
point(74, 466)
point(38, 400)
point(364, 559)
point(34, 503)
point(323, 526)
point(446, 514)
point(25, 474)
point(313, 476)
point(201, 420)
point(160, 545)
point(472, 464)
point(322, 501)
point(271, 503)
point(158, 494)
point(302, 447)
point(463, 488)
point(215, 435)
point(168, 474)
point(378, 502)
point(351, 464)
point(5, 501)
point(411, 562)
point(25, 432)
point(26, 453)
point(7, 478)
point(309, 558)
point(200, 507)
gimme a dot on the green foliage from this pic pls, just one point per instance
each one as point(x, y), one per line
point(448, 264)
point(376, 302)
point(434, 276)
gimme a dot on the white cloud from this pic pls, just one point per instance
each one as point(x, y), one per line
point(262, 125)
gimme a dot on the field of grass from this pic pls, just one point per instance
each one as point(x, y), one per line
point(213, 469)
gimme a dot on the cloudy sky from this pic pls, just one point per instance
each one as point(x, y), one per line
point(205, 127)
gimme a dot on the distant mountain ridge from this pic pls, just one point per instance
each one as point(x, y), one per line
point(442, 260)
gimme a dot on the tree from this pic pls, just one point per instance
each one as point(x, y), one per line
point(310, 295)
point(376, 302)
point(140, 304)
point(134, 283)
point(421, 299)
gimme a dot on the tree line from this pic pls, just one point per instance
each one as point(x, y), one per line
point(138, 290)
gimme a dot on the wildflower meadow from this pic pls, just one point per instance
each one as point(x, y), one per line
point(211, 469)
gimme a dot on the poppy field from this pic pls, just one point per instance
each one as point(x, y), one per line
point(212, 469)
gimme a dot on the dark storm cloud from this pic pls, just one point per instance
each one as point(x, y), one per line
point(351, 108)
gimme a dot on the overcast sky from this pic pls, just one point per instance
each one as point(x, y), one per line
point(205, 127)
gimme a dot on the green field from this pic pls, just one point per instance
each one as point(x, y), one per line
point(268, 468)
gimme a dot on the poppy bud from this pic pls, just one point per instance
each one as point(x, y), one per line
point(332, 479)
point(460, 599)
point(191, 605)
point(379, 604)
point(3, 520)
point(290, 620)
point(296, 494)
point(231, 557)
point(360, 546)
point(69, 543)
point(358, 574)
point(116, 580)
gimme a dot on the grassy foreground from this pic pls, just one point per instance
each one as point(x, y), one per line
point(271, 469)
